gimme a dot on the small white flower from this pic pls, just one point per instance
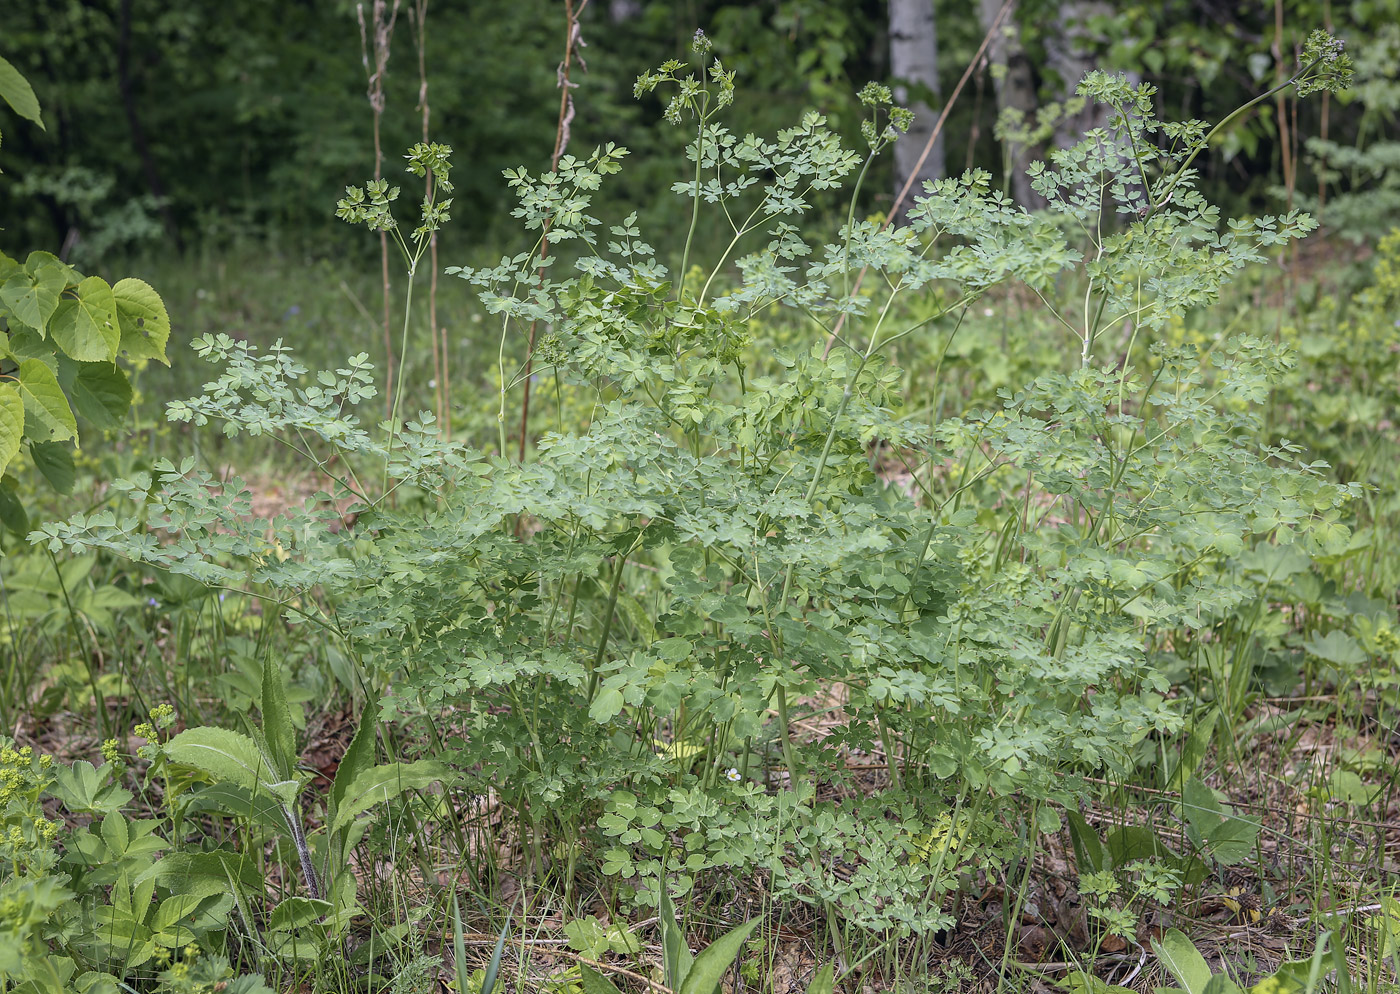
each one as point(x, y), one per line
point(432, 384)
point(733, 775)
point(987, 312)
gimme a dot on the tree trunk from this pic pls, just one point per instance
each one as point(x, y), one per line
point(914, 65)
point(1015, 90)
point(1071, 50)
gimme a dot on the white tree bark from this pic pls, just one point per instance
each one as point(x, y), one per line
point(1015, 89)
point(1071, 51)
point(914, 64)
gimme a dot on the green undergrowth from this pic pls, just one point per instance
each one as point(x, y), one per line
point(882, 589)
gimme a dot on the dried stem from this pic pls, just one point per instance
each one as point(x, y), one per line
point(573, 41)
point(923, 157)
point(374, 45)
point(442, 395)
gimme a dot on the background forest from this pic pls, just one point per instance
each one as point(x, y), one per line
point(603, 495)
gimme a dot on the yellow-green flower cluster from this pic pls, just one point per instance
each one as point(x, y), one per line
point(162, 716)
point(26, 836)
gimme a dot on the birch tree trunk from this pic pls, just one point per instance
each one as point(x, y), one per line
point(1071, 51)
point(1015, 90)
point(914, 65)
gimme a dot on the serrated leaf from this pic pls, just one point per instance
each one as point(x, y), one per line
point(47, 414)
point(173, 911)
point(142, 318)
point(16, 91)
point(359, 757)
point(85, 325)
point(32, 297)
point(277, 718)
point(383, 783)
point(238, 802)
point(205, 873)
point(55, 461)
point(100, 393)
point(11, 422)
point(12, 512)
point(1336, 647)
point(223, 754)
point(297, 912)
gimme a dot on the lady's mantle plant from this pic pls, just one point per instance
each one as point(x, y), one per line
point(608, 631)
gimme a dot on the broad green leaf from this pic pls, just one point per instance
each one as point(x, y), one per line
point(675, 950)
point(383, 783)
point(142, 318)
point(277, 718)
point(607, 705)
point(55, 461)
point(230, 799)
point(94, 982)
point(594, 982)
point(359, 757)
point(1181, 959)
point(1221, 984)
point(825, 980)
point(121, 936)
point(82, 788)
point(47, 414)
point(223, 754)
point(34, 296)
point(1227, 837)
point(12, 513)
point(173, 913)
point(100, 392)
point(1197, 745)
point(115, 833)
point(205, 873)
point(297, 912)
point(713, 961)
point(1089, 854)
point(1292, 977)
point(1336, 647)
point(85, 325)
point(16, 91)
point(11, 422)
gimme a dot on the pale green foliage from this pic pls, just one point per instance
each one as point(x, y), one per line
point(64, 332)
point(612, 625)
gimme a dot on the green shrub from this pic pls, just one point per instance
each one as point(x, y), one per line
point(623, 637)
